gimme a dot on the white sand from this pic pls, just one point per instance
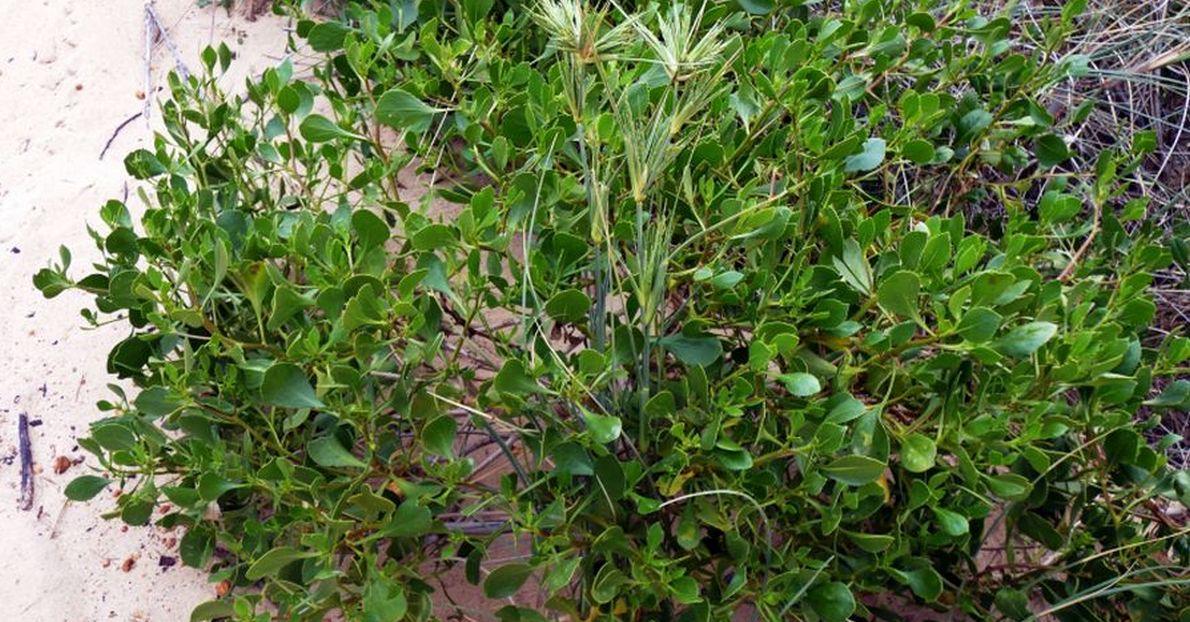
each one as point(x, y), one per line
point(70, 72)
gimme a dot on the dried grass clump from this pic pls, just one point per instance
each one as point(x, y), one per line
point(1137, 55)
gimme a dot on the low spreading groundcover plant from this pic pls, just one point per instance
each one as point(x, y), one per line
point(781, 310)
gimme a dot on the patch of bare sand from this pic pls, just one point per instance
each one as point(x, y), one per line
point(70, 73)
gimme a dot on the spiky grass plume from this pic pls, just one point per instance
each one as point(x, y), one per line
point(577, 29)
point(648, 147)
point(679, 46)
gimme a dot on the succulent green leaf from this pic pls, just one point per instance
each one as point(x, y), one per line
point(506, 580)
point(409, 521)
point(604, 428)
point(327, 451)
point(898, 293)
point(287, 386)
point(702, 350)
point(918, 453)
point(923, 580)
point(868, 159)
point(212, 610)
point(832, 601)
point(952, 523)
point(85, 487)
point(1010, 486)
point(569, 305)
point(979, 325)
point(918, 151)
point(439, 435)
point(1051, 151)
point(855, 470)
point(801, 384)
point(319, 129)
point(514, 380)
point(1026, 339)
point(400, 109)
point(272, 562)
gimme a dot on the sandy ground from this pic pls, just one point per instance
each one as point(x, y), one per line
point(70, 73)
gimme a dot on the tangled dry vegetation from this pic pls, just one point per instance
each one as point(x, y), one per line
point(1138, 58)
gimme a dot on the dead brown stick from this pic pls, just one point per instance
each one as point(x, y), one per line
point(155, 19)
point(1082, 249)
point(26, 500)
point(116, 133)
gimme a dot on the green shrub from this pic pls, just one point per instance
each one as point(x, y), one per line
point(741, 307)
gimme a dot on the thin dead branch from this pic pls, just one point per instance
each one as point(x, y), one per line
point(26, 450)
point(117, 131)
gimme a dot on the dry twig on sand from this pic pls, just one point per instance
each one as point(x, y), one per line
point(26, 500)
point(116, 133)
point(153, 25)
point(155, 19)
